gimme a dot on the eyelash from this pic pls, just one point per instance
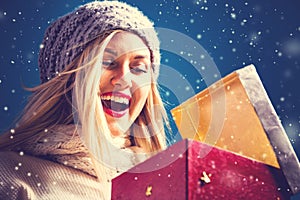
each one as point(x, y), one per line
point(108, 63)
point(138, 70)
point(111, 65)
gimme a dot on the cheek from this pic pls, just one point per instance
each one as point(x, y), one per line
point(142, 83)
point(144, 92)
point(140, 95)
point(104, 79)
point(141, 87)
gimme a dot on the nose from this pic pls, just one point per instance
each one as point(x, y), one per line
point(121, 76)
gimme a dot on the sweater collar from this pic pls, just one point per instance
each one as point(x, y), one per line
point(62, 144)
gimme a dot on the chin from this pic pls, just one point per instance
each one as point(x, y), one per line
point(118, 125)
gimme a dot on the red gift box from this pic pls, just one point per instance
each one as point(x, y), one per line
point(194, 170)
point(236, 114)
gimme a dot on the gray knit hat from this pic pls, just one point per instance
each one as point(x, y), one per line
point(67, 37)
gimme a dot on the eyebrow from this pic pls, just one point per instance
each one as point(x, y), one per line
point(141, 57)
point(111, 51)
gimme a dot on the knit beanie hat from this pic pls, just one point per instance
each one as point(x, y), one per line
point(68, 36)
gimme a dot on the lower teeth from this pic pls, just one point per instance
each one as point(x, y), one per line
point(118, 107)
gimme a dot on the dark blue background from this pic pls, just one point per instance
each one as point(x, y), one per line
point(234, 33)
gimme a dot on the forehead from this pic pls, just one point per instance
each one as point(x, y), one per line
point(125, 43)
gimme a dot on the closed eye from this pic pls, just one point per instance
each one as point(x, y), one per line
point(138, 68)
point(106, 63)
point(109, 64)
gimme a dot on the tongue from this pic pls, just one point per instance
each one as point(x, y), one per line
point(114, 105)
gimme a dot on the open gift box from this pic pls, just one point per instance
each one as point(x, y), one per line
point(193, 170)
point(242, 149)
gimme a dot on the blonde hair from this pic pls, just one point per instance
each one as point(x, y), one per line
point(72, 97)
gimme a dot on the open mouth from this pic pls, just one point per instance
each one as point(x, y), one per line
point(115, 104)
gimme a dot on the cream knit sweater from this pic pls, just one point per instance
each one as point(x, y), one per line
point(56, 166)
point(27, 177)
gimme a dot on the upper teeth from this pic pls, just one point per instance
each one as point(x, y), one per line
point(116, 99)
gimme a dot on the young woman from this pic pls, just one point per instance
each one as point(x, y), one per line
point(97, 112)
